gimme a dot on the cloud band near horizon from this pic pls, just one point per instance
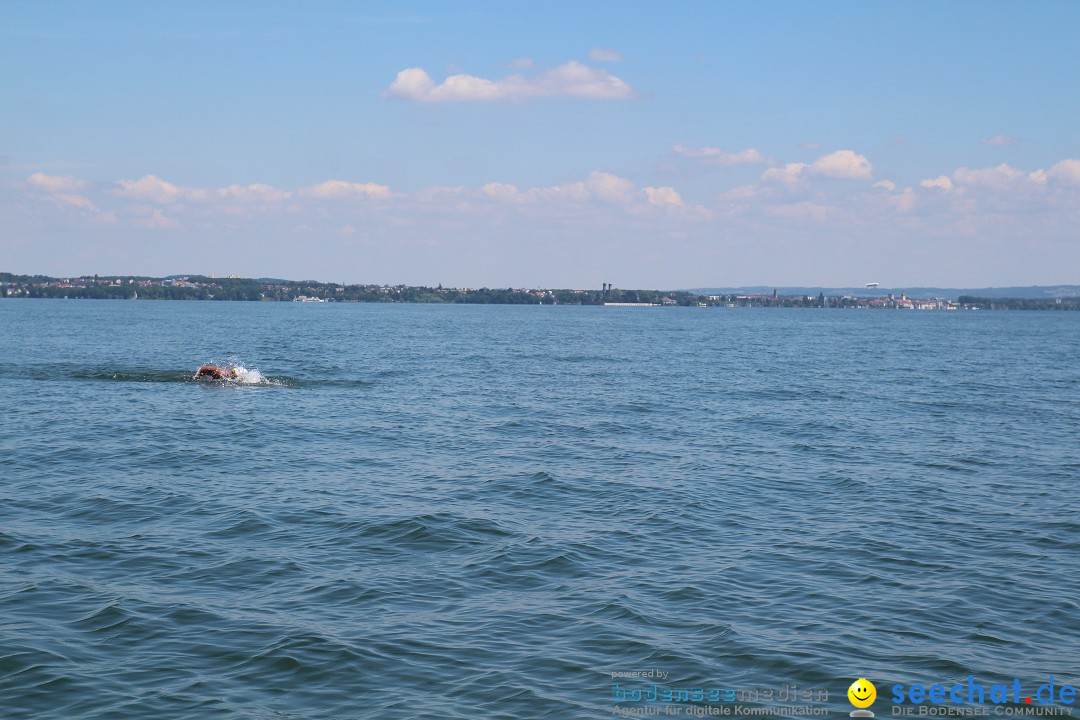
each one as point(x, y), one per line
point(571, 79)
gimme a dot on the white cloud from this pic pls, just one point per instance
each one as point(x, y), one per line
point(845, 164)
point(997, 178)
point(416, 84)
point(716, 156)
point(576, 80)
point(599, 186)
point(602, 55)
point(77, 201)
point(155, 220)
point(789, 175)
point(339, 189)
point(55, 183)
point(62, 191)
point(1007, 186)
point(964, 201)
point(1001, 139)
point(664, 197)
point(503, 191)
point(1066, 172)
point(609, 187)
point(903, 201)
point(412, 83)
point(256, 193)
point(942, 183)
point(151, 188)
point(570, 79)
point(600, 215)
point(842, 164)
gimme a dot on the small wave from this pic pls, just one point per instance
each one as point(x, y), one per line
point(255, 378)
point(434, 532)
point(69, 372)
point(131, 376)
point(245, 376)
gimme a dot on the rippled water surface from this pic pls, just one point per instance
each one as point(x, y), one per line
point(484, 512)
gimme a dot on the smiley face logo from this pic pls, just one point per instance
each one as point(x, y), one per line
point(862, 693)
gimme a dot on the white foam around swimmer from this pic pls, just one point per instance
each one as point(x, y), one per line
point(248, 377)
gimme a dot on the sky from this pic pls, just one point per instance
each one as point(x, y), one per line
point(555, 144)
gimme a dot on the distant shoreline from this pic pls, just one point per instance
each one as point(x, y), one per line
point(198, 287)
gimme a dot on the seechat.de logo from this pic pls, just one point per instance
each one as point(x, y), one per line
point(862, 694)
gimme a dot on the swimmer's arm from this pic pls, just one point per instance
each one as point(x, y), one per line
point(212, 371)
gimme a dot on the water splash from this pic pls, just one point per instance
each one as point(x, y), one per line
point(244, 376)
point(248, 376)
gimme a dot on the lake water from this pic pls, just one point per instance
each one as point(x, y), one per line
point(483, 512)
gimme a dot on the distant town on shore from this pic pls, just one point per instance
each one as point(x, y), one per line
point(208, 287)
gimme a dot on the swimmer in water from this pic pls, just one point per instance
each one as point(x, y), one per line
point(213, 372)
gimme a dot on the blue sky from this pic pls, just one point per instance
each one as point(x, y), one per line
point(646, 144)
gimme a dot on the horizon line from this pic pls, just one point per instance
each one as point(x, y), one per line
point(690, 289)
